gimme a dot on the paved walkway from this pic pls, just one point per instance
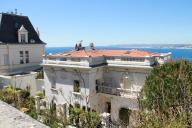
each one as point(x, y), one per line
point(10, 117)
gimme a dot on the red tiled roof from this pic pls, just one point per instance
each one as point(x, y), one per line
point(96, 53)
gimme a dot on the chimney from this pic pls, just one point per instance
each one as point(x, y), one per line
point(76, 47)
point(91, 46)
point(79, 46)
point(15, 11)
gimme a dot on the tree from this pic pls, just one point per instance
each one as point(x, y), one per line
point(169, 85)
point(168, 92)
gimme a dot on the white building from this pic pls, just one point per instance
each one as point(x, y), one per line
point(104, 80)
point(21, 50)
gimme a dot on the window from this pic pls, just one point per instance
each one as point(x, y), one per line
point(99, 82)
point(32, 41)
point(133, 59)
point(53, 82)
point(77, 105)
point(22, 34)
point(63, 59)
point(26, 56)
point(84, 108)
point(126, 83)
point(23, 38)
point(111, 58)
point(88, 109)
point(6, 59)
point(21, 57)
point(76, 86)
point(75, 59)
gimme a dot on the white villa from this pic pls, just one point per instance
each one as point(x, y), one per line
point(21, 50)
point(101, 80)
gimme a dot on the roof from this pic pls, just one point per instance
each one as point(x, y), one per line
point(11, 23)
point(97, 53)
point(22, 29)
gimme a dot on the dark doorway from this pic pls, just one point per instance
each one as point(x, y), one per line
point(108, 107)
point(124, 115)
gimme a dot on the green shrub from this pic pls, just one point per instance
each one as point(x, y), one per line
point(17, 89)
point(167, 96)
point(8, 95)
point(40, 94)
point(167, 86)
point(24, 93)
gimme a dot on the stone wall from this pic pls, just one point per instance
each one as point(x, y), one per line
point(10, 117)
point(23, 81)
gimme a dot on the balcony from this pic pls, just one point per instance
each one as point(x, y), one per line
point(128, 93)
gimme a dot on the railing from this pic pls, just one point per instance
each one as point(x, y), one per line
point(118, 91)
point(56, 62)
point(107, 90)
point(120, 62)
point(129, 92)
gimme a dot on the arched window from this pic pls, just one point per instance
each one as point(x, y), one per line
point(125, 82)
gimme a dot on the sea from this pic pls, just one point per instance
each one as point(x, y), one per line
point(177, 53)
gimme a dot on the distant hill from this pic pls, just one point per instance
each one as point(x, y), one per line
point(152, 45)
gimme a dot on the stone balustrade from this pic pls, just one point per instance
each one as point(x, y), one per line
point(57, 62)
point(129, 93)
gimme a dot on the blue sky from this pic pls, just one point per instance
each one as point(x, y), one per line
point(106, 22)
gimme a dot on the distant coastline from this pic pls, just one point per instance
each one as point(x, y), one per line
point(176, 46)
point(178, 52)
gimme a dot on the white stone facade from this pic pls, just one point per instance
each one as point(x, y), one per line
point(106, 85)
point(10, 57)
point(25, 81)
point(21, 52)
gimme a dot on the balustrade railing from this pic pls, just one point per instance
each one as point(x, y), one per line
point(117, 91)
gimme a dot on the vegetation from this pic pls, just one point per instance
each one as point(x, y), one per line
point(8, 95)
point(20, 99)
point(166, 98)
point(40, 75)
point(40, 94)
point(83, 119)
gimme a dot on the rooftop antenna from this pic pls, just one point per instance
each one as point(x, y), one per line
point(15, 11)
point(80, 43)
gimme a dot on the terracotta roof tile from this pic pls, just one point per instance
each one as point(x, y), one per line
point(96, 53)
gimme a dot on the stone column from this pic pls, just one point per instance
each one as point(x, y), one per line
point(37, 104)
point(64, 106)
